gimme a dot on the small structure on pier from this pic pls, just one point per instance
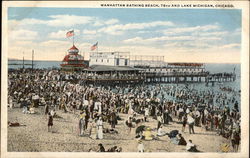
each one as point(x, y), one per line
point(109, 58)
point(177, 73)
point(185, 73)
point(73, 61)
point(143, 61)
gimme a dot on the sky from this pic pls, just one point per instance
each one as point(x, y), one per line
point(180, 35)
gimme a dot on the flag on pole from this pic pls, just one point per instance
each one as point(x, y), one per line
point(70, 33)
point(94, 46)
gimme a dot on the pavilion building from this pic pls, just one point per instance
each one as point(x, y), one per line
point(73, 61)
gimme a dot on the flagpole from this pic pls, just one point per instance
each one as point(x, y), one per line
point(97, 47)
point(73, 36)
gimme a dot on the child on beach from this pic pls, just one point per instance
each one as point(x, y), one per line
point(140, 146)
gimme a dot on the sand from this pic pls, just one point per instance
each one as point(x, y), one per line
point(34, 137)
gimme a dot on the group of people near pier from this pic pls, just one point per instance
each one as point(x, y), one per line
point(95, 104)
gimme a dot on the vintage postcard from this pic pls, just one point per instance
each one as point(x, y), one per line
point(125, 79)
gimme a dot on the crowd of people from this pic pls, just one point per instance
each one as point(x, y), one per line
point(212, 110)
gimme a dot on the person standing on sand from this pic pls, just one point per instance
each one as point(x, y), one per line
point(190, 121)
point(10, 102)
point(92, 129)
point(113, 119)
point(184, 122)
point(99, 125)
point(146, 114)
point(235, 140)
point(81, 123)
point(159, 119)
point(50, 122)
point(87, 116)
point(46, 109)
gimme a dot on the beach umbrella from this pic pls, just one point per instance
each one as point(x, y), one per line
point(140, 129)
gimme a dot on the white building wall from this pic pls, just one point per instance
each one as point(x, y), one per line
point(108, 58)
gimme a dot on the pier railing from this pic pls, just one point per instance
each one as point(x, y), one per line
point(163, 74)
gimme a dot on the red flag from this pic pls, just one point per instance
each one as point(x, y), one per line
point(70, 33)
point(94, 46)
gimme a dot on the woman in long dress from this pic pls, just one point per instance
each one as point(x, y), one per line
point(99, 125)
point(92, 130)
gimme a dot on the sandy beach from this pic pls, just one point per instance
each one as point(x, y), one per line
point(34, 137)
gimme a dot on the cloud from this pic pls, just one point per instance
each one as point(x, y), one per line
point(197, 29)
point(22, 34)
point(64, 20)
point(57, 21)
point(99, 22)
point(179, 54)
point(68, 20)
point(119, 29)
point(61, 34)
point(140, 40)
point(46, 50)
point(111, 21)
point(213, 33)
point(231, 45)
point(89, 32)
point(54, 43)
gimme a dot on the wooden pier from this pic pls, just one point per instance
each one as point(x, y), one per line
point(221, 77)
point(201, 77)
point(175, 77)
point(113, 81)
point(189, 77)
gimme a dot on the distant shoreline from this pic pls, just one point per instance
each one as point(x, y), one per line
point(34, 60)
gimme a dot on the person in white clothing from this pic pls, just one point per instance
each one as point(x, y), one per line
point(190, 121)
point(191, 147)
point(160, 132)
point(146, 114)
point(99, 125)
point(10, 102)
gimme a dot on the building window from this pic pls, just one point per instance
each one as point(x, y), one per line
point(126, 62)
point(96, 60)
point(107, 60)
point(117, 61)
point(102, 60)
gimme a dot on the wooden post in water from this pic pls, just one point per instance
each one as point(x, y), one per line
point(23, 60)
point(32, 59)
